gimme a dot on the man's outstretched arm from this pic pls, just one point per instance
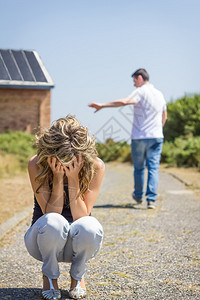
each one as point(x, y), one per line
point(115, 103)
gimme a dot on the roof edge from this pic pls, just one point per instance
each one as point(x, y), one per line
point(25, 84)
point(44, 70)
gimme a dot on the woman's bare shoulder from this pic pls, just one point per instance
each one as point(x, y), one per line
point(99, 164)
point(32, 164)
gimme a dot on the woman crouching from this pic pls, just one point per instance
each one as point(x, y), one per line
point(66, 176)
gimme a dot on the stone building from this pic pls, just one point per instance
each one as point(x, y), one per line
point(25, 91)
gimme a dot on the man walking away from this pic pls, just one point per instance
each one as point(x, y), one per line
point(149, 117)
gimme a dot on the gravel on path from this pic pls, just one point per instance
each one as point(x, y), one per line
point(146, 254)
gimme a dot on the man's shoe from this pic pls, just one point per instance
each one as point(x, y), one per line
point(138, 201)
point(151, 205)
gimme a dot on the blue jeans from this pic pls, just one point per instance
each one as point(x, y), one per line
point(146, 152)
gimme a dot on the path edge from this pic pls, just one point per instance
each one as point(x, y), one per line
point(8, 225)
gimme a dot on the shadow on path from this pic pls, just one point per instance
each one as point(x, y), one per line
point(25, 294)
point(126, 205)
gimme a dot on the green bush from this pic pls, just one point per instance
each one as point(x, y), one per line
point(182, 131)
point(183, 118)
point(18, 143)
point(184, 151)
point(111, 151)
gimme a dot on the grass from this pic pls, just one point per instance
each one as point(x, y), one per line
point(15, 195)
point(16, 148)
point(9, 164)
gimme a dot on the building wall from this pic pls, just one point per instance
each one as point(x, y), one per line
point(24, 109)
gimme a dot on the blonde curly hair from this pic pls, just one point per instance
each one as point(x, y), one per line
point(65, 139)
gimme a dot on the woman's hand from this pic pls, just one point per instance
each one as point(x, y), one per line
point(58, 170)
point(73, 168)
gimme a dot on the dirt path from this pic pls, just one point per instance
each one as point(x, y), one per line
point(146, 254)
point(16, 193)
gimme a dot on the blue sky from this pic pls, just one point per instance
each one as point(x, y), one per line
point(91, 48)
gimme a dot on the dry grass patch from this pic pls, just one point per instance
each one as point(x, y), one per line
point(15, 195)
point(9, 163)
point(190, 175)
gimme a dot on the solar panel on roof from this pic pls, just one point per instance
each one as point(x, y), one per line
point(22, 65)
point(11, 66)
point(23, 69)
point(37, 71)
point(3, 72)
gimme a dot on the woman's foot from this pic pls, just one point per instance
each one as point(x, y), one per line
point(74, 283)
point(77, 290)
point(50, 289)
point(46, 284)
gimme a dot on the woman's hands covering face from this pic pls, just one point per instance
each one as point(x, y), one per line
point(57, 169)
point(73, 168)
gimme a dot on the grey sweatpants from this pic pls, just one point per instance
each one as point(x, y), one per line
point(51, 239)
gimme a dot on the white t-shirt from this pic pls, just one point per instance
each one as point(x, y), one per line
point(148, 108)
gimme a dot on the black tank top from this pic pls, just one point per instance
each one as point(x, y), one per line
point(66, 212)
